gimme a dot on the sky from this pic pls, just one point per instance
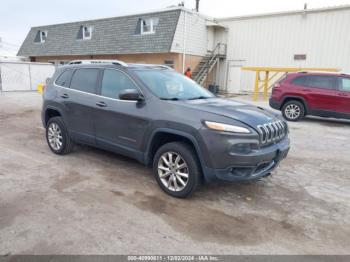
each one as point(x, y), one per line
point(18, 16)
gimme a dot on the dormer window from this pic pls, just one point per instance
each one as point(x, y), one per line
point(149, 25)
point(43, 36)
point(87, 32)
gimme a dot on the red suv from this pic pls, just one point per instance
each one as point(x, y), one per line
point(318, 94)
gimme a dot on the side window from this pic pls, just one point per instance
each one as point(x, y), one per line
point(325, 82)
point(64, 78)
point(344, 84)
point(300, 81)
point(85, 80)
point(113, 82)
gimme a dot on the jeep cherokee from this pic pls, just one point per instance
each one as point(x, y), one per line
point(164, 119)
point(318, 94)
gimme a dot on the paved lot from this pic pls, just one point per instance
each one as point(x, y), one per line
point(94, 202)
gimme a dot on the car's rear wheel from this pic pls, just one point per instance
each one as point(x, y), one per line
point(176, 169)
point(293, 110)
point(57, 137)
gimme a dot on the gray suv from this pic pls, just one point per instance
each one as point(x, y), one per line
point(162, 119)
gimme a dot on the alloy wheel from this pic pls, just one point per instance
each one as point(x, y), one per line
point(292, 111)
point(54, 135)
point(173, 171)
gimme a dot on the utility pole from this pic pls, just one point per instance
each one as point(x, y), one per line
point(197, 6)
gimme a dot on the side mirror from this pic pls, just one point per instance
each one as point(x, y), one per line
point(131, 95)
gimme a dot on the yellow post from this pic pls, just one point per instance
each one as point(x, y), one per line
point(40, 88)
point(256, 88)
point(266, 84)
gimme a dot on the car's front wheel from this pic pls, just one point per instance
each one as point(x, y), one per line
point(57, 137)
point(293, 110)
point(176, 169)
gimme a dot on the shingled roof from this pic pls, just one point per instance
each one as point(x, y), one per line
point(117, 35)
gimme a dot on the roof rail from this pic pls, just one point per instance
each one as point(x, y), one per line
point(89, 62)
point(153, 66)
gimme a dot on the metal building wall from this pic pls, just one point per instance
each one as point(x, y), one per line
point(273, 40)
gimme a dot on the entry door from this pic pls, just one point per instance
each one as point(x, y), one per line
point(79, 102)
point(119, 124)
point(234, 79)
point(320, 92)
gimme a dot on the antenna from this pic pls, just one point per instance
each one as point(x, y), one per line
point(197, 6)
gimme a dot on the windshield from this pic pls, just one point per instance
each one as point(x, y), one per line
point(169, 85)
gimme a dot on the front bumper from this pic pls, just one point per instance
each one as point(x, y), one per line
point(252, 166)
point(274, 104)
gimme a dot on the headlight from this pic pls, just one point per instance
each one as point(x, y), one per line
point(226, 128)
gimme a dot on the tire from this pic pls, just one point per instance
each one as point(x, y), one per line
point(190, 167)
point(293, 111)
point(57, 137)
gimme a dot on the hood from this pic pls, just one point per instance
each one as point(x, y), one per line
point(245, 113)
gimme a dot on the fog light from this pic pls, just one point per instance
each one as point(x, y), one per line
point(242, 148)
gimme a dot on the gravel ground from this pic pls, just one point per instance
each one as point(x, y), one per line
point(95, 202)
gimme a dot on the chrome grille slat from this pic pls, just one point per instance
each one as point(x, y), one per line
point(271, 132)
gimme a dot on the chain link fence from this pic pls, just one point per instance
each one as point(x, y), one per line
point(23, 76)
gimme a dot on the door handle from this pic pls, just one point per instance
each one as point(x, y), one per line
point(65, 96)
point(101, 104)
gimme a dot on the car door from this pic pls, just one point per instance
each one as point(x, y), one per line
point(120, 125)
point(79, 102)
point(320, 92)
point(343, 95)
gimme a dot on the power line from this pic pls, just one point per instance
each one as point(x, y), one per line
point(7, 43)
point(2, 43)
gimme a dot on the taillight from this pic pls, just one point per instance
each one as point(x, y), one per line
point(277, 85)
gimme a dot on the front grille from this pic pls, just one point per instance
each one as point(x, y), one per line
point(272, 132)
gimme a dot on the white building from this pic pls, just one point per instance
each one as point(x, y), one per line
point(215, 49)
point(318, 38)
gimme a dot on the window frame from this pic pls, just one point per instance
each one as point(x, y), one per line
point(87, 28)
point(41, 32)
point(152, 31)
point(308, 79)
point(99, 93)
point(98, 81)
point(334, 82)
point(304, 78)
point(70, 80)
point(340, 84)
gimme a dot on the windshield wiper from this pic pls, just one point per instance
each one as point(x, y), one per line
point(199, 97)
point(169, 99)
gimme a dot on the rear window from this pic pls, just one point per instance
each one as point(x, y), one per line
point(85, 80)
point(64, 78)
point(300, 81)
point(324, 82)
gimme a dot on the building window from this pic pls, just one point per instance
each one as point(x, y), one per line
point(149, 25)
point(169, 63)
point(87, 32)
point(43, 36)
